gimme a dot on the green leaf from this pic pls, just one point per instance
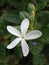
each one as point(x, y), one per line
point(35, 47)
point(3, 28)
point(11, 17)
point(34, 1)
point(41, 4)
point(2, 52)
point(13, 3)
point(45, 37)
point(39, 59)
point(48, 25)
point(43, 17)
point(18, 4)
point(43, 20)
point(24, 14)
point(18, 52)
point(47, 1)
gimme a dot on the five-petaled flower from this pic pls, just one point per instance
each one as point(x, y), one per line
point(22, 36)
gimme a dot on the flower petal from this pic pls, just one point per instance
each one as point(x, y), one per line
point(25, 48)
point(13, 43)
point(24, 26)
point(13, 31)
point(33, 34)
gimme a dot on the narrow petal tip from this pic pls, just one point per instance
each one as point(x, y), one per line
point(26, 54)
point(9, 47)
point(40, 33)
point(8, 26)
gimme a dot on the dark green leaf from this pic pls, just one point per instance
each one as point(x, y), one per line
point(24, 14)
point(11, 17)
point(43, 20)
point(41, 4)
point(18, 52)
point(39, 59)
point(2, 52)
point(35, 47)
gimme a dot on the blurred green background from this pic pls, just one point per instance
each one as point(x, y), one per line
point(12, 12)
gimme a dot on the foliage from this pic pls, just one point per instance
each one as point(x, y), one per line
point(12, 12)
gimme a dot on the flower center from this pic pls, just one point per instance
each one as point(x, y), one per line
point(23, 37)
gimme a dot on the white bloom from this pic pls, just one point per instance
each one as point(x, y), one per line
point(22, 36)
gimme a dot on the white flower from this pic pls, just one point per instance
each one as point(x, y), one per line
point(22, 36)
